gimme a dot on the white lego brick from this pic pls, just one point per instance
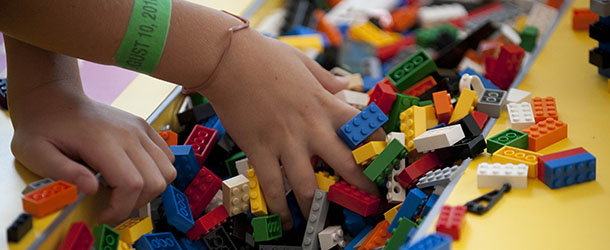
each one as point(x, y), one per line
point(357, 99)
point(438, 177)
point(371, 67)
point(330, 237)
point(316, 220)
point(37, 185)
point(432, 15)
point(469, 63)
point(395, 135)
point(242, 166)
point(396, 194)
point(494, 175)
point(438, 138)
point(349, 11)
point(510, 34)
point(472, 82)
point(520, 115)
point(517, 95)
point(271, 24)
point(215, 202)
point(542, 17)
point(236, 194)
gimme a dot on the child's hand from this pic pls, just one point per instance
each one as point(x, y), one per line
point(271, 99)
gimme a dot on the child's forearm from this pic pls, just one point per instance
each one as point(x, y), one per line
point(93, 30)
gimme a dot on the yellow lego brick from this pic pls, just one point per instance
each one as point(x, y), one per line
point(508, 154)
point(367, 152)
point(412, 123)
point(431, 120)
point(124, 246)
point(389, 215)
point(325, 180)
point(368, 32)
point(465, 105)
point(519, 24)
point(305, 42)
point(257, 201)
point(132, 229)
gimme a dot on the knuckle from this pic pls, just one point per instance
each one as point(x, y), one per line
point(135, 184)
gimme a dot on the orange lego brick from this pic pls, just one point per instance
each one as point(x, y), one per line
point(377, 237)
point(404, 18)
point(554, 3)
point(545, 133)
point(508, 154)
point(582, 18)
point(49, 198)
point(473, 55)
point(332, 3)
point(544, 108)
point(443, 106)
point(420, 87)
point(326, 27)
point(170, 137)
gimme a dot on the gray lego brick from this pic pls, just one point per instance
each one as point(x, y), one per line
point(492, 102)
point(600, 7)
point(438, 177)
point(315, 223)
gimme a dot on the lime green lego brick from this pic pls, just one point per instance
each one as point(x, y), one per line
point(425, 37)
point(401, 103)
point(409, 72)
point(267, 228)
point(382, 165)
point(105, 237)
point(425, 103)
point(197, 99)
point(230, 163)
point(399, 234)
point(528, 38)
point(509, 137)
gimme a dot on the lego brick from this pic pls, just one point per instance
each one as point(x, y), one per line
point(468, 63)
point(400, 234)
point(506, 66)
point(49, 199)
point(467, 147)
point(508, 154)
point(317, 218)
point(544, 108)
point(19, 227)
point(492, 102)
point(383, 96)
point(236, 195)
point(495, 175)
point(202, 139)
point(545, 133)
point(518, 96)
point(387, 159)
point(3, 87)
point(364, 124)
point(464, 106)
point(443, 106)
point(554, 156)
point(330, 237)
point(529, 36)
point(450, 56)
point(430, 16)
point(187, 244)
point(105, 237)
point(257, 201)
point(201, 191)
point(420, 87)
point(570, 170)
point(413, 124)
point(481, 118)
point(451, 220)
point(359, 238)
point(355, 83)
point(508, 33)
point(600, 7)
point(437, 241)
point(352, 198)
point(431, 120)
point(354, 223)
point(469, 126)
point(133, 228)
point(177, 209)
point(215, 202)
point(471, 82)
point(371, 34)
point(371, 67)
point(438, 138)
point(219, 239)
point(486, 82)
point(387, 52)
point(542, 17)
point(196, 115)
point(377, 237)
point(401, 103)
point(242, 166)
point(399, 136)
point(231, 162)
point(207, 223)
point(157, 241)
point(186, 165)
point(325, 180)
point(508, 137)
point(414, 201)
point(328, 28)
point(391, 213)
point(170, 137)
point(278, 247)
point(598, 30)
point(521, 115)
point(431, 201)
point(438, 177)
point(599, 58)
point(78, 237)
point(426, 37)
point(357, 99)
point(215, 124)
point(411, 173)
point(267, 228)
point(396, 193)
point(411, 70)
point(305, 42)
point(37, 185)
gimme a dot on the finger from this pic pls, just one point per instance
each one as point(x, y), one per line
point(168, 171)
point(154, 183)
point(301, 177)
point(47, 160)
point(156, 138)
point(270, 178)
point(329, 81)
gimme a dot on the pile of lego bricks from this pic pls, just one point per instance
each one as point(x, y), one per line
point(430, 76)
point(598, 22)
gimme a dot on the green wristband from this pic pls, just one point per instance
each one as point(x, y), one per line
point(144, 39)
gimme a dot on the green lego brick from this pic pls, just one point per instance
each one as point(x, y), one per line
point(382, 165)
point(230, 163)
point(399, 234)
point(401, 103)
point(105, 237)
point(509, 137)
point(409, 72)
point(197, 99)
point(425, 103)
point(528, 38)
point(425, 37)
point(267, 228)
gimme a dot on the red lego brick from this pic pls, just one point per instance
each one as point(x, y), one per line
point(420, 87)
point(386, 52)
point(207, 223)
point(170, 137)
point(545, 133)
point(79, 237)
point(582, 18)
point(443, 106)
point(377, 237)
point(49, 198)
point(554, 3)
point(202, 139)
point(411, 173)
point(352, 198)
point(383, 96)
point(544, 108)
point(451, 220)
point(201, 190)
point(503, 70)
point(555, 156)
point(480, 118)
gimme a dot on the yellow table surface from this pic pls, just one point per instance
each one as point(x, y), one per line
point(574, 217)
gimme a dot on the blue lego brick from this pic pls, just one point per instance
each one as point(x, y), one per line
point(177, 209)
point(440, 125)
point(353, 221)
point(362, 126)
point(186, 165)
point(604, 46)
point(605, 20)
point(487, 83)
point(364, 232)
point(604, 72)
point(430, 203)
point(187, 244)
point(569, 170)
point(295, 211)
point(214, 123)
point(437, 241)
point(343, 28)
point(369, 82)
point(302, 30)
point(415, 198)
point(157, 241)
